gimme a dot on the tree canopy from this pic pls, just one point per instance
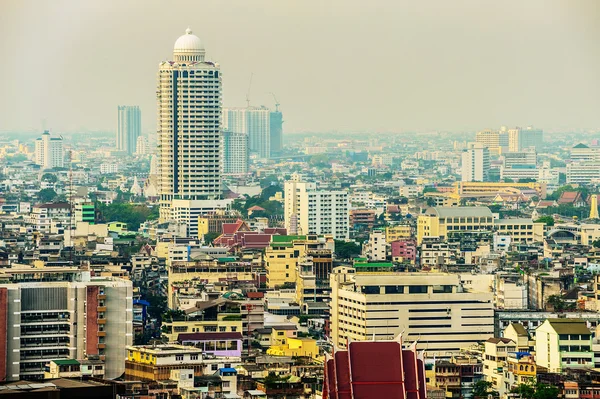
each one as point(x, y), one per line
point(548, 220)
point(346, 250)
point(132, 214)
point(47, 195)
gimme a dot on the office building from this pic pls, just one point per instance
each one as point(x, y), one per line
point(475, 163)
point(129, 128)
point(49, 151)
point(521, 139)
point(439, 221)
point(495, 141)
point(276, 127)
point(584, 153)
point(189, 129)
point(62, 313)
point(434, 308)
point(256, 122)
point(583, 172)
point(235, 153)
point(309, 210)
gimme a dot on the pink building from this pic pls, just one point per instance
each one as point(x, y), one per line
point(404, 250)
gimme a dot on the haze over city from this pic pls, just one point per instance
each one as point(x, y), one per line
point(348, 65)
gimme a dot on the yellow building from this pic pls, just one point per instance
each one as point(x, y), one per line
point(154, 363)
point(296, 347)
point(281, 257)
point(481, 189)
point(438, 221)
point(224, 323)
point(521, 230)
point(398, 232)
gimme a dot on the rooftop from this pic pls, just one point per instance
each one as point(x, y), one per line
point(569, 326)
point(459, 211)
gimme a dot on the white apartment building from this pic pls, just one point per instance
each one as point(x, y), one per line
point(49, 218)
point(189, 126)
point(71, 319)
point(49, 151)
point(109, 168)
point(583, 172)
point(142, 146)
point(475, 163)
point(584, 153)
point(256, 122)
point(376, 247)
point(433, 308)
point(186, 212)
point(235, 153)
point(563, 343)
point(129, 127)
point(309, 210)
point(520, 139)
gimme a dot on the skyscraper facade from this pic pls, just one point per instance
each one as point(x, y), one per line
point(522, 139)
point(475, 163)
point(276, 127)
point(235, 152)
point(128, 128)
point(189, 126)
point(49, 151)
point(256, 122)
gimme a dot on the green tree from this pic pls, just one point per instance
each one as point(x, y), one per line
point(210, 237)
point(548, 220)
point(482, 389)
point(46, 195)
point(544, 391)
point(49, 177)
point(346, 250)
point(596, 244)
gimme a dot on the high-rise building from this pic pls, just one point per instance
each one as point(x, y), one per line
point(235, 152)
point(256, 122)
point(189, 126)
point(495, 141)
point(521, 139)
point(62, 313)
point(475, 163)
point(49, 151)
point(276, 127)
point(434, 308)
point(309, 210)
point(129, 127)
point(142, 146)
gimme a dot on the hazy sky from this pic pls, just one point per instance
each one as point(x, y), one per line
point(348, 65)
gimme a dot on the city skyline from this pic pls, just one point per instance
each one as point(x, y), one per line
point(436, 67)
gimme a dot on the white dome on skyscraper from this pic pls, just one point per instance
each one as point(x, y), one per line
point(188, 47)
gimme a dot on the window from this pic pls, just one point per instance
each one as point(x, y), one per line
point(193, 357)
point(442, 289)
point(417, 289)
point(178, 358)
point(222, 329)
point(214, 367)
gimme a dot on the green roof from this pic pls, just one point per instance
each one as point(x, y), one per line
point(374, 264)
point(286, 239)
point(66, 362)
point(360, 259)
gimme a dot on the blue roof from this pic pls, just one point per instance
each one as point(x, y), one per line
point(228, 370)
point(141, 302)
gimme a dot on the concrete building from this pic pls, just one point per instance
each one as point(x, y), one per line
point(50, 218)
point(475, 163)
point(276, 127)
point(438, 221)
point(584, 153)
point(129, 128)
point(583, 172)
point(142, 146)
point(521, 139)
point(434, 308)
point(309, 210)
point(155, 363)
point(255, 122)
point(189, 129)
point(564, 343)
point(496, 141)
point(521, 230)
point(62, 313)
point(376, 248)
point(235, 153)
point(49, 151)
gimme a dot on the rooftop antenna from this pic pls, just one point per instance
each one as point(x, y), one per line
point(248, 93)
point(276, 102)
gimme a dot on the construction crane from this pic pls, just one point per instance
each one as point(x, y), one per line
point(248, 93)
point(276, 102)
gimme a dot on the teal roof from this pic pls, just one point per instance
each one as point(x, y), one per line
point(66, 362)
point(227, 259)
point(374, 264)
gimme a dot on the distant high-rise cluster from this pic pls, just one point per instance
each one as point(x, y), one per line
point(128, 128)
point(235, 152)
point(264, 128)
point(510, 140)
point(189, 125)
point(49, 151)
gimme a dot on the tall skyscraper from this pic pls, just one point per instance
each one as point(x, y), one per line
point(475, 163)
point(256, 122)
point(129, 127)
point(276, 122)
point(49, 151)
point(235, 152)
point(189, 126)
point(522, 139)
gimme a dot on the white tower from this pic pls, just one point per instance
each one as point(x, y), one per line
point(49, 151)
point(189, 126)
